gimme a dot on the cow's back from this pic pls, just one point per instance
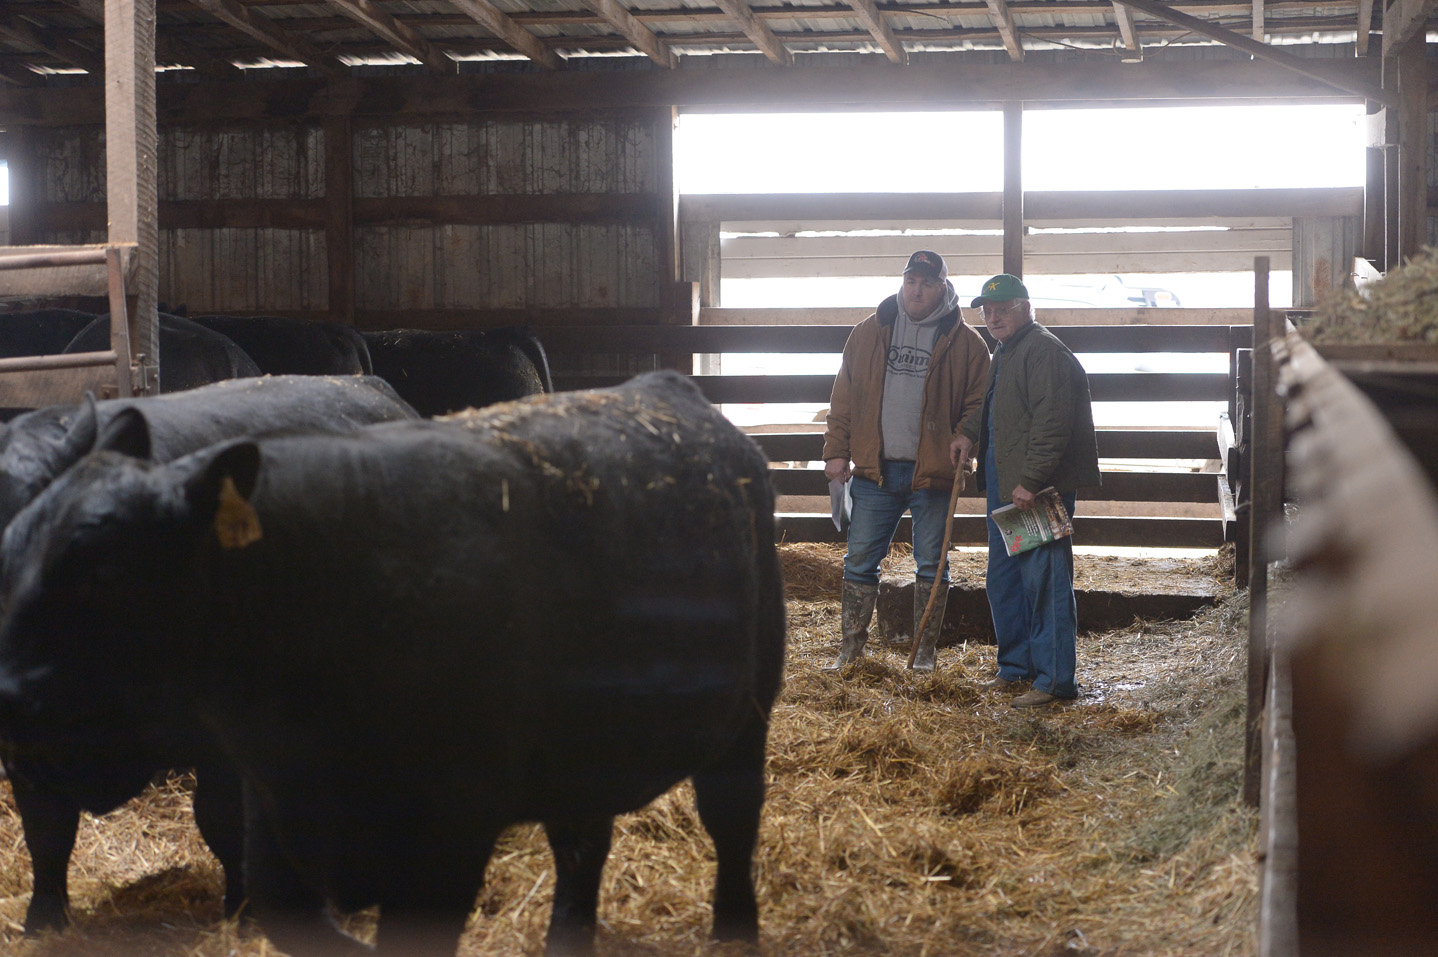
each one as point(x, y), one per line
point(573, 601)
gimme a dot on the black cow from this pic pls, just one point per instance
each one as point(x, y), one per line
point(383, 631)
point(443, 372)
point(41, 445)
point(282, 346)
point(41, 332)
point(190, 354)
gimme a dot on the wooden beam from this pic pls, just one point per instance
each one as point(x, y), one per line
point(757, 30)
point(880, 84)
point(614, 13)
point(1123, 17)
point(1413, 145)
point(1365, 26)
point(402, 37)
point(263, 30)
point(167, 48)
point(1258, 26)
point(1003, 20)
point(498, 22)
point(1013, 189)
point(1402, 21)
point(869, 15)
point(61, 49)
point(339, 218)
point(1299, 65)
point(131, 170)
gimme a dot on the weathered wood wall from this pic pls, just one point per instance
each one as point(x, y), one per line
point(457, 223)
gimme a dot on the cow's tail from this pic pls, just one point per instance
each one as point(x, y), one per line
point(531, 346)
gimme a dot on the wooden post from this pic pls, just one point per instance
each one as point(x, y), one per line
point(130, 164)
point(1412, 147)
point(675, 296)
point(1013, 189)
point(1265, 517)
point(339, 218)
point(1375, 230)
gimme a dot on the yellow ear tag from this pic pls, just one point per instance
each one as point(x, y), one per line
point(236, 522)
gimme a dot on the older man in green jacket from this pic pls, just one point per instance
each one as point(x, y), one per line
point(1034, 430)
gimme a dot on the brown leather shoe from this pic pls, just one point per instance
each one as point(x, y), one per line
point(999, 683)
point(1033, 698)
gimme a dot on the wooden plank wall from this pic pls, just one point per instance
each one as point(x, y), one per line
point(433, 223)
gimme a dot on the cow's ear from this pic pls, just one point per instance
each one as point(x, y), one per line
point(219, 494)
point(128, 433)
point(80, 437)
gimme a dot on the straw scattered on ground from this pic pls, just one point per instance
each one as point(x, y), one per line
point(907, 815)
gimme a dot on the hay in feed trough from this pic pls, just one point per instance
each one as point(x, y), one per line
point(906, 815)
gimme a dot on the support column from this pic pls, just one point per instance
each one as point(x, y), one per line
point(339, 218)
point(1412, 146)
point(130, 166)
point(1013, 189)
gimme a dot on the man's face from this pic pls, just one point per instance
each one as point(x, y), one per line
point(921, 295)
point(1006, 318)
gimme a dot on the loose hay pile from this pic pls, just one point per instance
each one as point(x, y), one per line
point(907, 815)
point(1402, 307)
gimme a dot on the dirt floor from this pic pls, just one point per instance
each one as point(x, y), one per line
point(907, 815)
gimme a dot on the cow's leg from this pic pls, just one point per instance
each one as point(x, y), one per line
point(220, 816)
point(50, 822)
point(293, 915)
point(730, 796)
point(423, 912)
point(580, 848)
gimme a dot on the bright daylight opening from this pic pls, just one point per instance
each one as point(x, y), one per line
point(1081, 149)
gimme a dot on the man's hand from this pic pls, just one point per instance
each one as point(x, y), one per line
point(1023, 498)
point(961, 450)
point(837, 468)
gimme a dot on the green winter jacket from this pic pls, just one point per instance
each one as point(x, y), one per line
point(1043, 417)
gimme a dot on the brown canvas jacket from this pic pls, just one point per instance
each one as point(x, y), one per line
point(953, 391)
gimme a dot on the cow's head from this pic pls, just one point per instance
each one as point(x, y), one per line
point(103, 593)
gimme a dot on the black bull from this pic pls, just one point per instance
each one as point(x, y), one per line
point(410, 638)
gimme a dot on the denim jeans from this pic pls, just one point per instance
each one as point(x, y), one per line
point(1031, 598)
point(875, 517)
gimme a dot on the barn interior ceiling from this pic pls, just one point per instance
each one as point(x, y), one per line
point(222, 38)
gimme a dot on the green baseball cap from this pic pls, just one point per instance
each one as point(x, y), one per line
point(1001, 288)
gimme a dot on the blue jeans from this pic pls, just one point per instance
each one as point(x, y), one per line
point(1031, 598)
point(875, 517)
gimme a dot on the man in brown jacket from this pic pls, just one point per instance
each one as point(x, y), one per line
point(911, 374)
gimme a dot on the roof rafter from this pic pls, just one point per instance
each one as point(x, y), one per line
point(1003, 20)
point(167, 48)
point(264, 30)
point(1365, 25)
point(757, 30)
point(1123, 16)
point(617, 16)
point(496, 21)
point(66, 50)
point(1403, 19)
point(1309, 68)
point(1258, 30)
point(403, 38)
point(874, 20)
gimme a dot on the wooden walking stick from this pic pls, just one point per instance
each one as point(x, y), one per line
point(960, 478)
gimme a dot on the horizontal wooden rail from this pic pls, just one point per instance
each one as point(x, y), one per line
point(1039, 205)
point(1117, 486)
point(1104, 387)
point(815, 338)
point(1103, 531)
point(74, 360)
point(1112, 444)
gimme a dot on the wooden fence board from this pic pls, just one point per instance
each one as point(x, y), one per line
point(1091, 530)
